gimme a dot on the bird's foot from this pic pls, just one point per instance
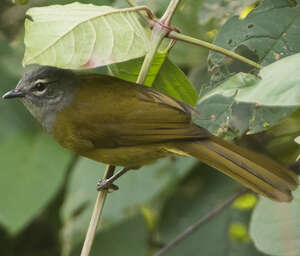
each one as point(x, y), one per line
point(106, 185)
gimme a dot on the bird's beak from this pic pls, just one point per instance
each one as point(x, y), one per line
point(13, 94)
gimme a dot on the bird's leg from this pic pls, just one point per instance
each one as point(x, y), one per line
point(108, 183)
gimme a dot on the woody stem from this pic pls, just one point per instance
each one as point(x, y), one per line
point(97, 213)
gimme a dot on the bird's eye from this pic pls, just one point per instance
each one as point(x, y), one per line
point(40, 87)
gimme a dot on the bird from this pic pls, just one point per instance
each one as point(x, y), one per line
point(121, 123)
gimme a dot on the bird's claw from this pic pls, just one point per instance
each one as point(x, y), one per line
point(106, 185)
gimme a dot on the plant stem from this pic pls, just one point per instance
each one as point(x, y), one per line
point(191, 229)
point(169, 13)
point(191, 40)
point(147, 18)
point(158, 35)
point(96, 216)
point(159, 31)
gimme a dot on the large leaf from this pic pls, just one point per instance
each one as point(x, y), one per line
point(83, 36)
point(267, 34)
point(275, 227)
point(279, 84)
point(137, 188)
point(28, 179)
point(163, 75)
point(247, 103)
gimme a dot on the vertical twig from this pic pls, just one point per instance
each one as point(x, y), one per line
point(157, 37)
point(169, 13)
point(97, 212)
point(159, 32)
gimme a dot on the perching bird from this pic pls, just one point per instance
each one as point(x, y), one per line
point(121, 123)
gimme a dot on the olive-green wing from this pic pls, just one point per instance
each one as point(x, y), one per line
point(119, 113)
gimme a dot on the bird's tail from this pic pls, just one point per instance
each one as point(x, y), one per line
point(254, 171)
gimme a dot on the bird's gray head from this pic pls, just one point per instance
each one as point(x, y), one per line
point(45, 91)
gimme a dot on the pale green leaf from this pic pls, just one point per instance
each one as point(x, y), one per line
point(245, 102)
point(275, 227)
point(32, 170)
point(279, 84)
point(83, 35)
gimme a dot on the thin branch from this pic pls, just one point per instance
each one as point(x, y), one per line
point(191, 40)
point(158, 34)
point(97, 213)
point(169, 13)
point(159, 31)
point(149, 18)
point(191, 229)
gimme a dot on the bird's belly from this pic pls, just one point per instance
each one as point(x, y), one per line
point(132, 157)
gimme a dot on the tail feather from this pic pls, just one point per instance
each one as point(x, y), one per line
point(256, 172)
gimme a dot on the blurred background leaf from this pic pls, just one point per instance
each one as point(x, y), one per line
point(137, 189)
point(130, 238)
point(275, 228)
point(198, 194)
point(27, 179)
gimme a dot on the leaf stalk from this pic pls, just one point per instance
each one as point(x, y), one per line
point(184, 38)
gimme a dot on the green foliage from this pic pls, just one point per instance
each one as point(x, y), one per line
point(41, 183)
point(278, 85)
point(135, 244)
point(198, 194)
point(31, 171)
point(267, 34)
point(275, 228)
point(163, 76)
point(138, 189)
point(82, 36)
point(20, 1)
point(245, 102)
point(28, 177)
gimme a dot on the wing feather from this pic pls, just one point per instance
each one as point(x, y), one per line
point(115, 113)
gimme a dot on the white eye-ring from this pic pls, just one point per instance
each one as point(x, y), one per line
point(39, 88)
